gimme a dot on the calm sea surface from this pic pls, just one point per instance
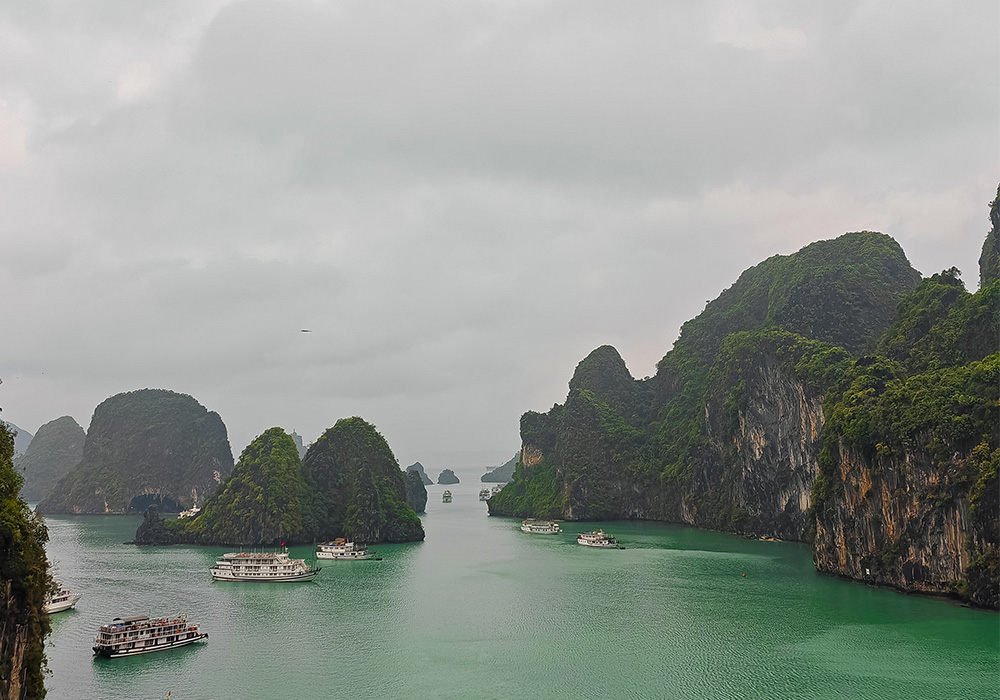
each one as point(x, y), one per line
point(482, 610)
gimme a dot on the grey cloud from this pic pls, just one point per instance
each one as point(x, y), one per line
point(461, 200)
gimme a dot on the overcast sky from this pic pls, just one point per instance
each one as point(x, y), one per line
point(459, 199)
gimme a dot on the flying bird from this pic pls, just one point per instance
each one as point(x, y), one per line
point(306, 330)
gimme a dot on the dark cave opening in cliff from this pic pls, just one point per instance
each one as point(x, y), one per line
point(164, 504)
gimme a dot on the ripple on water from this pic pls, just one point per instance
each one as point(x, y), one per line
point(482, 610)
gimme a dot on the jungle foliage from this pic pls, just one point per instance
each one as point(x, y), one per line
point(259, 504)
point(24, 584)
point(813, 310)
point(348, 485)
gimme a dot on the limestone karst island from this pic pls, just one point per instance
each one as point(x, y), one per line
point(833, 399)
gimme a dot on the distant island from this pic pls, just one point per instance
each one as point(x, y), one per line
point(503, 473)
point(416, 492)
point(54, 451)
point(348, 485)
point(22, 438)
point(831, 396)
point(419, 469)
point(447, 476)
point(143, 447)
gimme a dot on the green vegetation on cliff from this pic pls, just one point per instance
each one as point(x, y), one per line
point(357, 488)
point(836, 364)
point(349, 485)
point(534, 492)
point(54, 451)
point(24, 583)
point(152, 443)
point(624, 448)
point(931, 394)
point(260, 504)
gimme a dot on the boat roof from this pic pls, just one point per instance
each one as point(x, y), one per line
point(137, 618)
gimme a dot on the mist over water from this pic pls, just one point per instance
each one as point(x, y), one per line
point(482, 610)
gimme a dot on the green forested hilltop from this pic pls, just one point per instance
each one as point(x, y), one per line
point(348, 485)
point(358, 490)
point(650, 436)
point(152, 443)
point(24, 583)
point(827, 396)
point(261, 503)
point(54, 451)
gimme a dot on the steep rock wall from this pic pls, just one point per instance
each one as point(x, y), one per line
point(149, 443)
point(896, 522)
point(764, 461)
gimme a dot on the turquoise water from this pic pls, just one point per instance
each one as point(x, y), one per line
point(482, 610)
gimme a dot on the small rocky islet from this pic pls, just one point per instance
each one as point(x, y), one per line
point(447, 476)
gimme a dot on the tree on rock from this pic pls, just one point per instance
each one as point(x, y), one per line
point(260, 504)
point(358, 491)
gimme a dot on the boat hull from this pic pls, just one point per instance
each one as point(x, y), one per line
point(111, 653)
point(540, 532)
point(63, 605)
point(343, 557)
point(599, 545)
point(287, 578)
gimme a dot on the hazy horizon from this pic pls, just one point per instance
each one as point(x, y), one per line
point(459, 201)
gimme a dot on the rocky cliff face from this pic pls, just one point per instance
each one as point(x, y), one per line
point(152, 530)
point(907, 524)
point(419, 469)
point(24, 582)
point(416, 492)
point(54, 451)
point(447, 476)
point(989, 259)
point(147, 446)
point(897, 522)
point(758, 473)
point(501, 474)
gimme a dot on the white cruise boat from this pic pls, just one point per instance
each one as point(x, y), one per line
point(262, 566)
point(484, 494)
point(540, 527)
point(496, 490)
point(343, 550)
point(63, 600)
point(446, 496)
point(131, 636)
point(189, 513)
point(597, 538)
